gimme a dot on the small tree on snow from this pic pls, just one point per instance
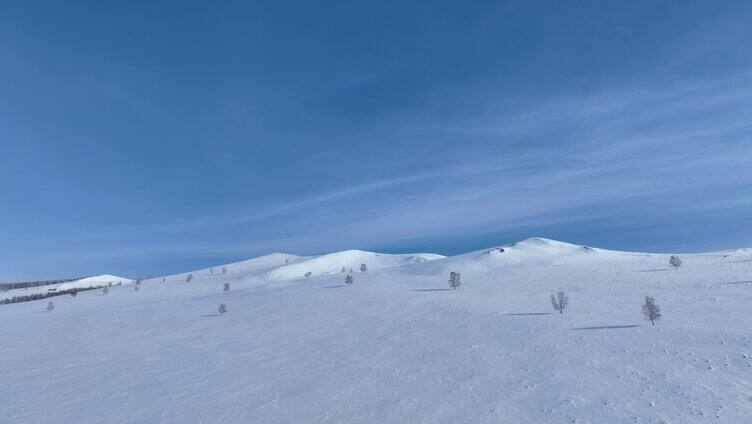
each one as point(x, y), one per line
point(105, 290)
point(189, 278)
point(50, 306)
point(224, 270)
point(308, 274)
point(226, 287)
point(363, 268)
point(222, 308)
point(349, 280)
point(651, 311)
point(211, 271)
point(342, 270)
point(454, 280)
point(675, 262)
point(136, 288)
point(560, 301)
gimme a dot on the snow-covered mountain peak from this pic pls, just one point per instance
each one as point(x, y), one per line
point(333, 263)
point(545, 242)
point(105, 278)
point(544, 246)
point(285, 266)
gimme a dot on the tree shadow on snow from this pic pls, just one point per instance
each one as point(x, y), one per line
point(333, 287)
point(739, 261)
point(212, 315)
point(430, 290)
point(530, 313)
point(655, 270)
point(737, 282)
point(605, 327)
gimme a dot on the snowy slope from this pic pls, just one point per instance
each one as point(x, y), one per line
point(397, 346)
point(99, 280)
point(284, 266)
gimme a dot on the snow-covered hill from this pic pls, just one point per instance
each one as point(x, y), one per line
point(284, 266)
point(398, 346)
point(84, 283)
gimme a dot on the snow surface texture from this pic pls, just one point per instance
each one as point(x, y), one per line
point(397, 346)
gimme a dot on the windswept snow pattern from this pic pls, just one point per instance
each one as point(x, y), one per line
point(398, 346)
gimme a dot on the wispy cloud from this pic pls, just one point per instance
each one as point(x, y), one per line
point(651, 146)
point(629, 143)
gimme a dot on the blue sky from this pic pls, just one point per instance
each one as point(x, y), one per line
point(155, 137)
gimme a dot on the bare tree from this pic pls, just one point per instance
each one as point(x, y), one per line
point(560, 301)
point(50, 306)
point(349, 280)
point(454, 280)
point(222, 308)
point(651, 311)
point(675, 262)
point(363, 268)
point(189, 278)
point(226, 287)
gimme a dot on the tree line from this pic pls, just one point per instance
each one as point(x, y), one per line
point(28, 284)
point(44, 295)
